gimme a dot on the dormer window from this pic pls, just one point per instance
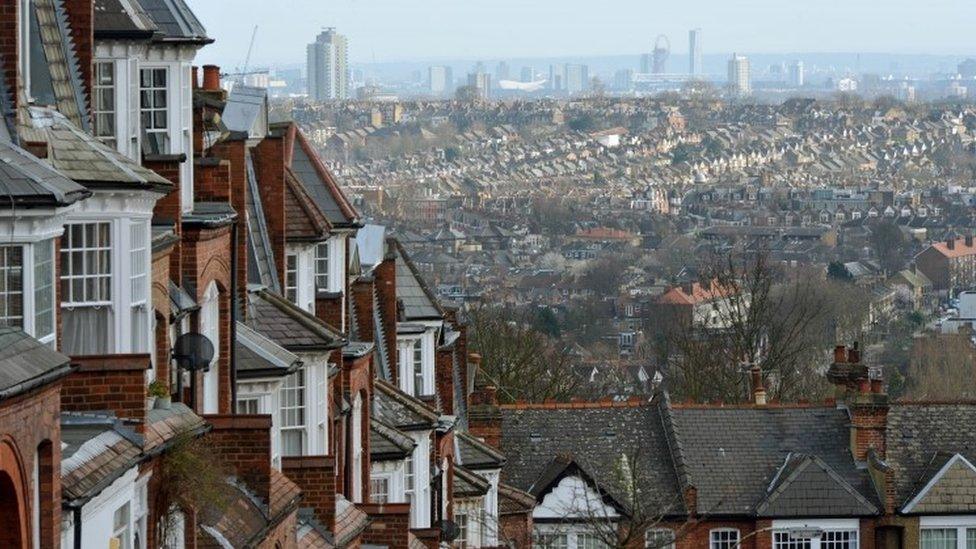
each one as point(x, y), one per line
point(322, 267)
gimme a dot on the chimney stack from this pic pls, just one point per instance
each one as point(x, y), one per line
point(758, 389)
point(195, 77)
point(969, 241)
point(211, 77)
point(951, 243)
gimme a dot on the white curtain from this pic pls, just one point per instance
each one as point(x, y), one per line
point(87, 331)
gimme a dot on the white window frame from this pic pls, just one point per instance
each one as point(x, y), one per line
point(244, 403)
point(826, 526)
point(291, 277)
point(386, 478)
point(210, 327)
point(85, 247)
point(358, 425)
point(293, 398)
point(123, 532)
point(417, 368)
point(461, 520)
point(140, 259)
point(8, 267)
point(323, 259)
point(962, 524)
point(722, 538)
point(109, 132)
point(42, 333)
point(152, 109)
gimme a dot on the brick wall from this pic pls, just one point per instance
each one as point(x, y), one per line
point(110, 382)
point(431, 537)
point(361, 295)
point(868, 425)
point(161, 308)
point(316, 476)
point(389, 526)
point(269, 166)
point(211, 181)
point(484, 416)
point(328, 308)
point(81, 16)
point(444, 378)
point(385, 280)
point(168, 207)
point(234, 153)
point(515, 530)
point(9, 52)
point(243, 443)
point(28, 422)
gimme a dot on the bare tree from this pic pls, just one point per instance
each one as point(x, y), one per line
point(942, 367)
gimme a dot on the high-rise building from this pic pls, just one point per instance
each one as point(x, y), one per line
point(967, 69)
point(740, 82)
point(623, 79)
point(528, 74)
point(557, 77)
point(440, 79)
point(694, 52)
point(577, 78)
point(796, 74)
point(328, 66)
point(502, 71)
point(481, 82)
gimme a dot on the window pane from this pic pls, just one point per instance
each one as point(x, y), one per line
point(724, 539)
point(660, 538)
point(43, 289)
point(938, 538)
point(12, 286)
point(971, 538)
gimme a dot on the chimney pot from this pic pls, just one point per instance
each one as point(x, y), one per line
point(211, 77)
point(951, 243)
point(969, 241)
point(854, 355)
point(864, 386)
point(877, 386)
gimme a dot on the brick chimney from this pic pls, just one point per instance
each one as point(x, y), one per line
point(385, 281)
point(269, 167)
point(444, 378)
point(951, 243)
point(861, 391)
point(389, 524)
point(211, 77)
point(243, 442)
point(969, 241)
point(758, 388)
point(111, 382)
point(316, 476)
point(484, 416)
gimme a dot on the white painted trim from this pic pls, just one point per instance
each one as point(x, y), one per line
point(947, 521)
point(824, 524)
point(910, 506)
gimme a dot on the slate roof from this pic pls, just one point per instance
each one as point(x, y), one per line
point(388, 443)
point(303, 219)
point(731, 455)
point(468, 484)
point(319, 181)
point(288, 325)
point(600, 440)
point(28, 181)
point(58, 79)
point(401, 410)
point(918, 433)
point(946, 487)
point(181, 302)
point(258, 356)
point(418, 301)
point(805, 486)
point(475, 454)
point(162, 426)
point(312, 534)
point(26, 363)
point(511, 500)
point(175, 21)
point(261, 261)
point(121, 19)
point(83, 158)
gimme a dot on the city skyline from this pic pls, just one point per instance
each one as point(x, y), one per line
point(389, 30)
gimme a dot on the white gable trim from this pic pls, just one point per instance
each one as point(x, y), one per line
point(573, 497)
point(910, 506)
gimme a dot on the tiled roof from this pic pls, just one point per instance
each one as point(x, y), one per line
point(698, 294)
point(60, 69)
point(27, 180)
point(401, 410)
point(303, 219)
point(258, 356)
point(350, 521)
point(919, 433)
point(511, 500)
point(311, 533)
point(98, 450)
point(85, 159)
point(475, 454)
point(26, 362)
point(387, 443)
point(164, 425)
point(959, 248)
point(175, 21)
point(468, 484)
point(319, 181)
point(731, 455)
point(599, 440)
point(418, 301)
point(287, 324)
point(261, 267)
point(285, 494)
point(121, 18)
point(805, 486)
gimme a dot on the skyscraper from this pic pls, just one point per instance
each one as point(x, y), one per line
point(528, 74)
point(646, 63)
point(557, 77)
point(577, 78)
point(502, 71)
point(440, 79)
point(739, 78)
point(694, 52)
point(328, 66)
point(796, 74)
point(481, 82)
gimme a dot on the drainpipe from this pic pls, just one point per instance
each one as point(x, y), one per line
point(234, 304)
point(76, 513)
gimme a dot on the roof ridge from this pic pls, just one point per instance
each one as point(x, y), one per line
point(673, 440)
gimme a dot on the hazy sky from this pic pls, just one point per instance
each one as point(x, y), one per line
point(395, 30)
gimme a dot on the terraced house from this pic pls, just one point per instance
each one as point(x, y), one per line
point(857, 472)
point(192, 352)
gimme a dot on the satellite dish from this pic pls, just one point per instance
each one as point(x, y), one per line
point(449, 530)
point(193, 351)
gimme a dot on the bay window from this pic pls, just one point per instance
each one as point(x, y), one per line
point(590, 541)
point(44, 290)
point(86, 288)
point(461, 519)
point(154, 106)
point(12, 286)
point(103, 102)
point(418, 368)
point(139, 283)
point(551, 541)
point(291, 278)
point(357, 449)
point(379, 489)
point(293, 414)
point(210, 327)
point(830, 534)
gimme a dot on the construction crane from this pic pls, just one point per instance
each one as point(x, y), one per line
point(250, 48)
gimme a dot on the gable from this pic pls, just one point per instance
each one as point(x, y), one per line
point(806, 486)
point(574, 497)
point(949, 490)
